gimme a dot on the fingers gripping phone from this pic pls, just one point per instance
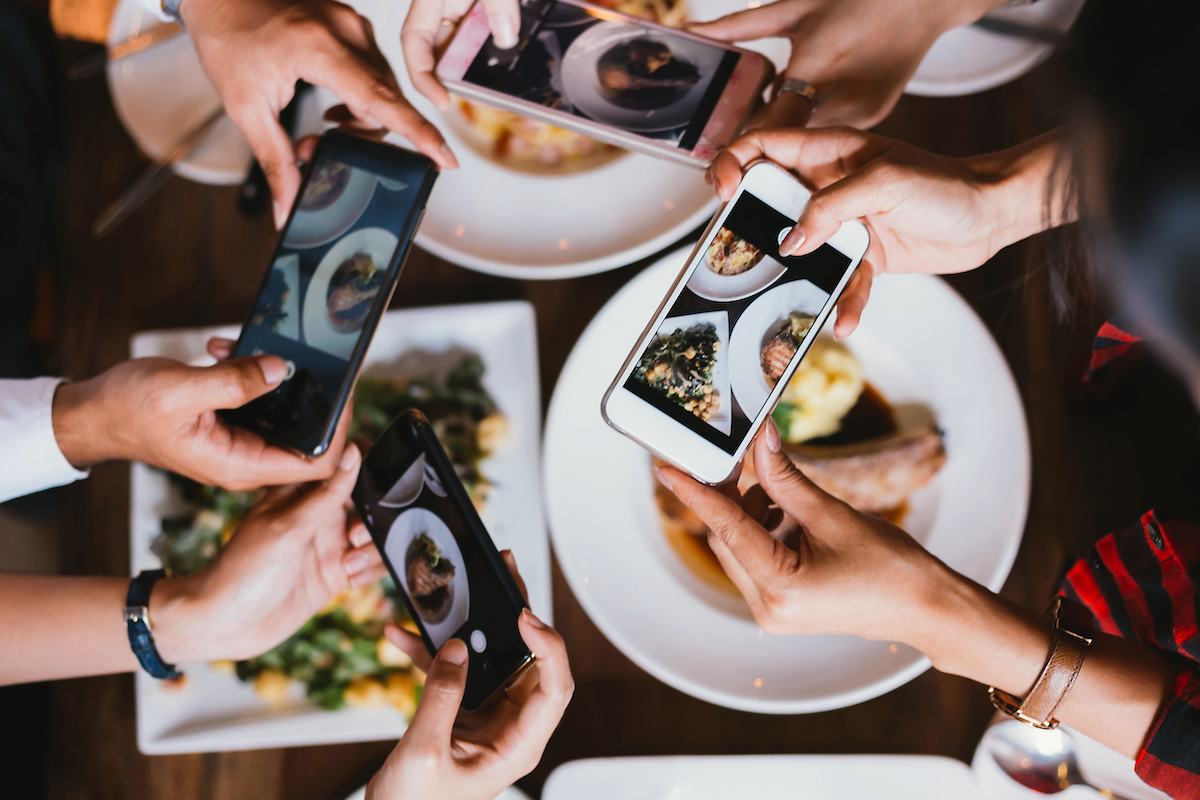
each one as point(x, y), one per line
point(453, 580)
point(711, 365)
point(331, 278)
point(612, 77)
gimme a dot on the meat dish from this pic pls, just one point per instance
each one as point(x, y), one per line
point(325, 185)
point(352, 288)
point(730, 254)
point(643, 75)
point(430, 577)
point(680, 366)
point(779, 351)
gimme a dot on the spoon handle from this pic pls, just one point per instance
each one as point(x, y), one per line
point(1111, 795)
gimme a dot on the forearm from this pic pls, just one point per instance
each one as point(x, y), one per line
point(1027, 187)
point(981, 636)
point(53, 628)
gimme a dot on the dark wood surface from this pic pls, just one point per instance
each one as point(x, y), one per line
point(188, 259)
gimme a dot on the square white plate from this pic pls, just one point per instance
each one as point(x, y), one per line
point(216, 711)
point(763, 778)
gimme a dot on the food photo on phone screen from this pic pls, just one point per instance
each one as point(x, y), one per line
point(638, 79)
point(736, 326)
point(330, 266)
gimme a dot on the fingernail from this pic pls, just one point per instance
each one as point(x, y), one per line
point(349, 458)
point(662, 478)
point(449, 157)
point(454, 651)
point(359, 535)
point(274, 369)
point(771, 436)
point(504, 31)
point(532, 619)
point(278, 211)
point(793, 241)
point(355, 563)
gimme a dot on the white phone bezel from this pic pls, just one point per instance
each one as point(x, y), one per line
point(671, 440)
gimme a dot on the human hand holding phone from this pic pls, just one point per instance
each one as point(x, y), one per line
point(163, 413)
point(447, 752)
point(925, 212)
point(428, 27)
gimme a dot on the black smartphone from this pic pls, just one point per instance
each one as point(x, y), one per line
point(445, 564)
point(331, 279)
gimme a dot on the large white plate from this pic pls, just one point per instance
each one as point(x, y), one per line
point(218, 712)
point(763, 778)
point(919, 343)
point(968, 59)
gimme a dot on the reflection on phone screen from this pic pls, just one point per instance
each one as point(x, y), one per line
point(328, 270)
point(637, 79)
point(736, 326)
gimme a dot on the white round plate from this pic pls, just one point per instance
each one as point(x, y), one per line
point(759, 321)
point(968, 59)
point(511, 793)
point(408, 526)
point(711, 285)
point(318, 330)
point(313, 228)
point(581, 84)
point(918, 343)
point(161, 94)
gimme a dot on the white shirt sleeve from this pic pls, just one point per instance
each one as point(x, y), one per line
point(30, 460)
point(155, 8)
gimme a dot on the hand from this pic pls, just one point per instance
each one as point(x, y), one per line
point(847, 573)
point(163, 413)
point(925, 213)
point(857, 54)
point(430, 23)
point(254, 51)
point(449, 753)
point(294, 551)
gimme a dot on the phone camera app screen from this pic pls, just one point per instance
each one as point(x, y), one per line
point(736, 326)
point(637, 79)
point(436, 560)
point(328, 270)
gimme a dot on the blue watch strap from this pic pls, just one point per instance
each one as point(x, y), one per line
point(171, 9)
point(137, 623)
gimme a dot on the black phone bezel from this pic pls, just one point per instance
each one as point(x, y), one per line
point(418, 433)
point(245, 417)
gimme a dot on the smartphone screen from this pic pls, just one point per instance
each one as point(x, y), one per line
point(736, 326)
point(332, 275)
point(582, 61)
point(440, 556)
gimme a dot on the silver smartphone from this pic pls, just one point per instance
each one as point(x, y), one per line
point(615, 78)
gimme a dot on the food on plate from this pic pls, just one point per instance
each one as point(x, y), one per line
point(671, 13)
point(524, 143)
point(430, 576)
point(841, 433)
point(876, 475)
point(352, 287)
point(680, 366)
point(779, 351)
point(824, 387)
point(730, 254)
point(325, 186)
point(340, 656)
point(644, 75)
point(269, 312)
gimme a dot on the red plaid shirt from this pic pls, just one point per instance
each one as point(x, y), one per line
point(1140, 583)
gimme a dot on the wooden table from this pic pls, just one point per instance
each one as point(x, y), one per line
point(188, 259)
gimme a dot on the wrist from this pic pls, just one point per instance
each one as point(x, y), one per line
point(1023, 189)
point(77, 429)
point(173, 616)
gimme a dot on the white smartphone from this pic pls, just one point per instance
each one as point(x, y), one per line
point(715, 358)
point(615, 78)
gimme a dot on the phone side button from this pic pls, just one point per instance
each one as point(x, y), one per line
point(478, 641)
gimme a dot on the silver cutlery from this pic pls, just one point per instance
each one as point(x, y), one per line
point(1020, 30)
point(153, 177)
point(1041, 760)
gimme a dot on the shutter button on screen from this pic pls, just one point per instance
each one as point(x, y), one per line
point(478, 641)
